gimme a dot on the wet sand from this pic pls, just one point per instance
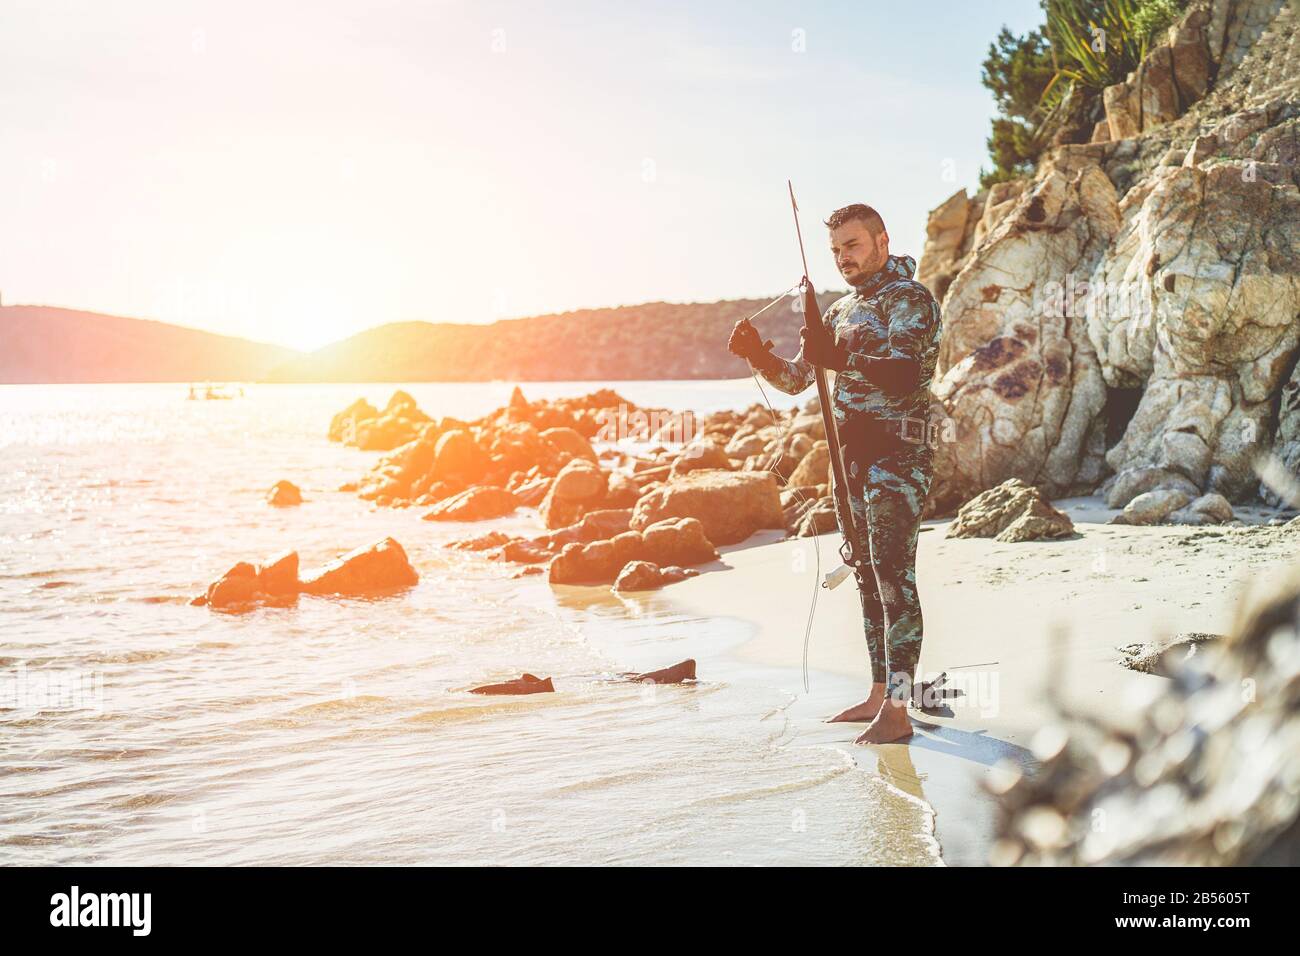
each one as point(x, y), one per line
point(1000, 619)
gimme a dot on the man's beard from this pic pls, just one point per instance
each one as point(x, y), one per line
point(861, 274)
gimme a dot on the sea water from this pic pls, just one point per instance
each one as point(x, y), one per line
point(136, 729)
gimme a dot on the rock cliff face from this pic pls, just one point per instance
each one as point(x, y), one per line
point(1128, 319)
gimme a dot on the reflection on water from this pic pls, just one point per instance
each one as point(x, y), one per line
point(137, 729)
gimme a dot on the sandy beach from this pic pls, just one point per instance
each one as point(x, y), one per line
point(999, 618)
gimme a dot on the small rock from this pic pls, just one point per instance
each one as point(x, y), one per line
point(678, 673)
point(528, 684)
point(284, 494)
point(639, 576)
point(1162, 655)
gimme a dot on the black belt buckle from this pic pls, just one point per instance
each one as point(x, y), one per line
point(912, 430)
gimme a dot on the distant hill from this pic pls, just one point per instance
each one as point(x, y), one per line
point(657, 340)
point(43, 344)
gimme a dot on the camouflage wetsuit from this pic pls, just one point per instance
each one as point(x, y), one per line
point(891, 316)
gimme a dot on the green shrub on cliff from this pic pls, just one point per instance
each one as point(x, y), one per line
point(1049, 81)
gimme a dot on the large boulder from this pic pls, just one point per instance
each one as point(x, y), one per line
point(375, 569)
point(474, 504)
point(518, 447)
point(458, 456)
point(677, 541)
point(742, 446)
point(390, 430)
point(1018, 378)
point(1013, 511)
point(1140, 340)
point(236, 588)
point(729, 505)
point(699, 456)
point(578, 488)
point(343, 426)
point(814, 468)
point(1207, 509)
point(597, 562)
point(568, 444)
point(1210, 330)
point(1153, 507)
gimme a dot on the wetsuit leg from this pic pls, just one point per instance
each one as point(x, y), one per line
point(895, 490)
point(873, 612)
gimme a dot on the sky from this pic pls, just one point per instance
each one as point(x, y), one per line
point(299, 172)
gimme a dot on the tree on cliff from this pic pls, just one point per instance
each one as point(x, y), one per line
point(1047, 83)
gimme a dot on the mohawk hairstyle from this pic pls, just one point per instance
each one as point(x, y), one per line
point(858, 210)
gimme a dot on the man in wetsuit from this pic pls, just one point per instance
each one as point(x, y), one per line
point(882, 341)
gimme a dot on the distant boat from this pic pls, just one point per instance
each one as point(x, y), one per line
point(211, 392)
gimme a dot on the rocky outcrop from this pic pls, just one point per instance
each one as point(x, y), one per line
point(729, 505)
point(369, 429)
point(1018, 378)
point(343, 426)
point(520, 447)
point(377, 569)
point(1129, 323)
point(1286, 440)
point(948, 237)
point(1211, 263)
point(1013, 511)
point(679, 542)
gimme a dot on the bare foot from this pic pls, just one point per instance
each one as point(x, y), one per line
point(891, 724)
point(867, 710)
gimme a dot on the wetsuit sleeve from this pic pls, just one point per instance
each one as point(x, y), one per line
point(913, 328)
point(791, 376)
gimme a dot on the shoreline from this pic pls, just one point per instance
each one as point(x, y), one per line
point(999, 619)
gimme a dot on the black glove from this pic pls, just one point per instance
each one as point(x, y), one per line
point(748, 344)
point(820, 349)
